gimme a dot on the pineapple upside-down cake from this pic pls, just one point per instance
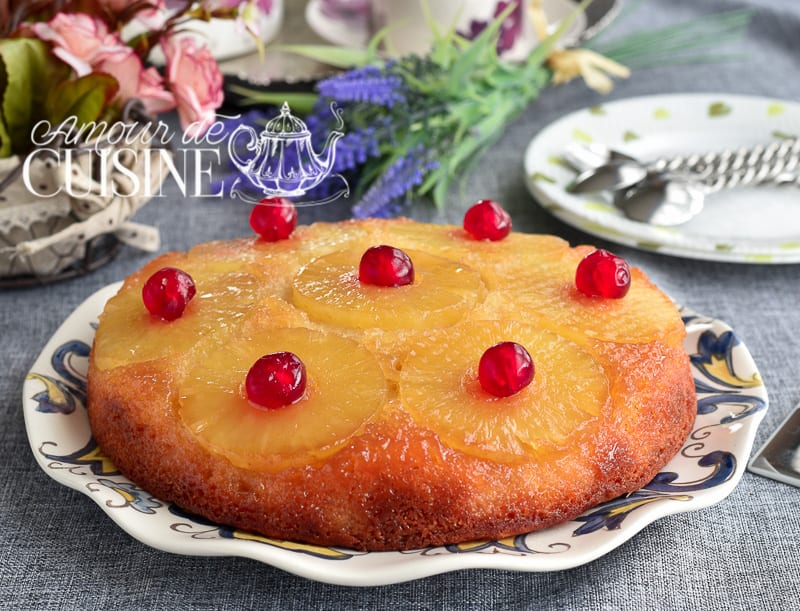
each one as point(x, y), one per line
point(388, 384)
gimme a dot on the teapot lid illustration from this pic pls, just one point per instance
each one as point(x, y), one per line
point(286, 125)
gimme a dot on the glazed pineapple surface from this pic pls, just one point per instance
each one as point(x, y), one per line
point(394, 443)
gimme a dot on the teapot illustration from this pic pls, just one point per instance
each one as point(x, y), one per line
point(284, 162)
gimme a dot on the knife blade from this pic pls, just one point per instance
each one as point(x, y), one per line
point(779, 457)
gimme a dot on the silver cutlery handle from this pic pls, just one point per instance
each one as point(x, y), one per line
point(753, 165)
point(750, 177)
point(777, 170)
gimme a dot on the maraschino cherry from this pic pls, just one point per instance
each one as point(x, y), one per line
point(167, 292)
point(486, 220)
point(274, 218)
point(505, 369)
point(276, 380)
point(385, 266)
point(603, 274)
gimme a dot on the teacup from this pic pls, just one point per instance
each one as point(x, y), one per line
point(410, 24)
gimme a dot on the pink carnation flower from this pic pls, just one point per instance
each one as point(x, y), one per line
point(195, 80)
point(85, 44)
point(126, 67)
point(77, 39)
point(152, 93)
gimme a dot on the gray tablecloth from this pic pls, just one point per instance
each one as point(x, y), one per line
point(60, 551)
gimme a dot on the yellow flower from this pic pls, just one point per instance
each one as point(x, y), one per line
point(569, 63)
point(593, 67)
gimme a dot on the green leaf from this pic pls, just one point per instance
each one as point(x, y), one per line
point(83, 98)
point(483, 45)
point(339, 57)
point(673, 44)
point(29, 67)
point(542, 50)
point(439, 194)
point(299, 101)
point(376, 41)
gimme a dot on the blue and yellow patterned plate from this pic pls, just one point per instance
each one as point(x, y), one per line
point(732, 401)
point(748, 225)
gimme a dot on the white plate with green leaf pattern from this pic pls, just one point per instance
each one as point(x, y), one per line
point(747, 225)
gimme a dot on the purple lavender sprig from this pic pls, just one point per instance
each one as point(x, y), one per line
point(379, 117)
point(369, 84)
point(386, 196)
point(354, 148)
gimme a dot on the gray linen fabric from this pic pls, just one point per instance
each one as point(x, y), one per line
point(59, 551)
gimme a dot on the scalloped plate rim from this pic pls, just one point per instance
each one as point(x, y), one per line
point(387, 567)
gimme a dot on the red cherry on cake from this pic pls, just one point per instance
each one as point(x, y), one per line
point(486, 220)
point(276, 380)
point(603, 274)
point(505, 369)
point(167, 292)
point(385, 266)
point(274, 218)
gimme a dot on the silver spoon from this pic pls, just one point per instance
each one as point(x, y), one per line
point(662, 199)
point(669, 199)
point(611, 176)
point(582, 157)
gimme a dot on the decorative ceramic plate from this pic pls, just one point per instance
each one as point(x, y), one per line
point(747, 225)
point(731, 402)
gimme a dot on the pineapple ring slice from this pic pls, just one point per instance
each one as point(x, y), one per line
point(439, 386)
point(498, 260)
point(275, 263)
point(342, 394)
point(546, 293)
point(130, 334)
point(329, 291)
